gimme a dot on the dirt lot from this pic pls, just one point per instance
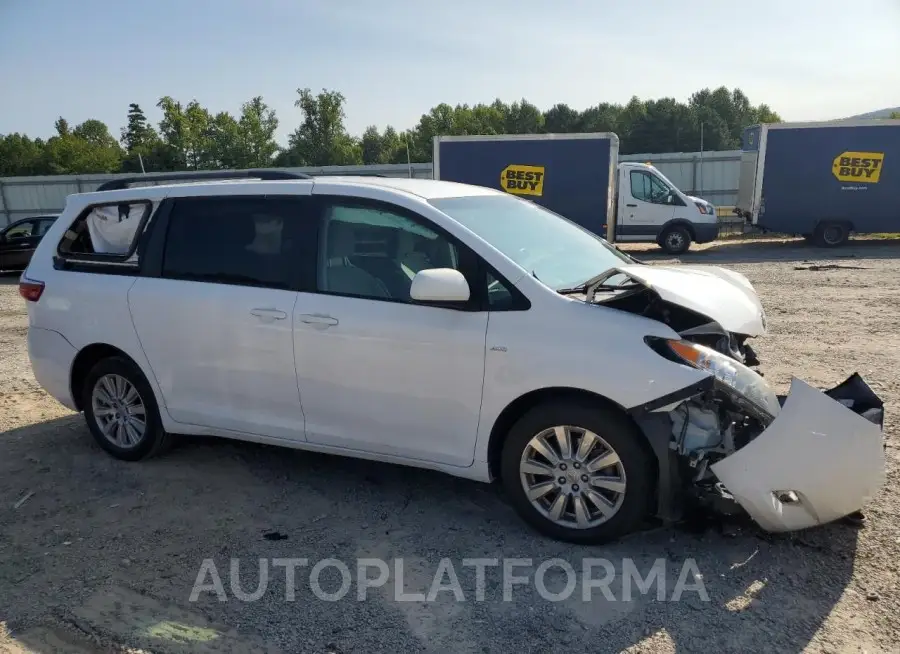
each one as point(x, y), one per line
point(97, 555)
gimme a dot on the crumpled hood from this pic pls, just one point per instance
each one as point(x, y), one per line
point(723, 295)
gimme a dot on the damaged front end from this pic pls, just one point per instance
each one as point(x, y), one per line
point(790, 462)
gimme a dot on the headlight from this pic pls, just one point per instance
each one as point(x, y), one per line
point(746, 385)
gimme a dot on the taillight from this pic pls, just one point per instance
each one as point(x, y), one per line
point(30, 289)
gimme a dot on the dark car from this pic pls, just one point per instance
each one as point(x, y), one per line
point(19, 240)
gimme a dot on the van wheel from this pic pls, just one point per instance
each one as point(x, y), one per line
point(830, 235)
point(121, 411)
point(675, 240)
point(577, 473)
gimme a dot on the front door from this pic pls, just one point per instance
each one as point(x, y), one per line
point(217, 326)
point(377, 372)
point(644, 206)
point(17, 244)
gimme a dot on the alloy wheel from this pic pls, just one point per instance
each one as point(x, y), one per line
point(572, 477)
point(119, 411)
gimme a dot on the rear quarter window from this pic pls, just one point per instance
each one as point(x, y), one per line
point(106, 231)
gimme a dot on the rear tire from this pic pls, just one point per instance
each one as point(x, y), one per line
point(121, 411)
point(831, 234)
point(675, 240)
point(587, 492)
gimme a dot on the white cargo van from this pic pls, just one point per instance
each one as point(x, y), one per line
point(649, 207)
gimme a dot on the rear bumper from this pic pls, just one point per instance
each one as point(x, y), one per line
point(705, 232)
point(822, 458)
point(51, 361)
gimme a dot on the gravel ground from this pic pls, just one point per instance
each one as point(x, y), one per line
point(98, 555)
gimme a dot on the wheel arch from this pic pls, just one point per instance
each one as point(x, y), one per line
point(678, 222)
point(519, 406)
point(86, 359)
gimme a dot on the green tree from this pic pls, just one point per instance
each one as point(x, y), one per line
point(223, 144)
point(522, 117)
point(89, 148)
point(372, 145)
point(602, 118)
point(20, 155)
point(321, 139)
point(735, 111)
point(144, 149)
point(256, 132)
point(62, 126)
point(562, 119)
point(185, 129)
point(663, 126)
point(895, 115)
point(138, 134)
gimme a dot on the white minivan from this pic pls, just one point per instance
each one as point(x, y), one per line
point(438, 325)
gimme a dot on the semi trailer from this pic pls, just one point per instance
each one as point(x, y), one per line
point(822, 180)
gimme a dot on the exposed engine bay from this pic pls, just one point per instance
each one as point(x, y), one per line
point(706, 429)
point(711, 426)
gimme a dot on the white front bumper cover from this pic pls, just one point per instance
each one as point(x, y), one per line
point(819, 460)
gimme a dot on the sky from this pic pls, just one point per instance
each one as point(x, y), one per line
point(395, 59)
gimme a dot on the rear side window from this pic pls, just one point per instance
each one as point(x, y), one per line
point(244, 241)
point(107, 230)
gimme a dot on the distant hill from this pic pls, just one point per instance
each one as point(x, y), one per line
point(883, 113)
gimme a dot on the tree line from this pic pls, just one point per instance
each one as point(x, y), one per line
point(191, 137)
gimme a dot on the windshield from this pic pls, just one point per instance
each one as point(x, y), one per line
point(555, 250)
point(663, 178)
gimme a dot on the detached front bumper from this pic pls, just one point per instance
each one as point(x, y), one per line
point(822, 458)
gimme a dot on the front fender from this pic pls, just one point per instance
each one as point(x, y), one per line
point(608, 358)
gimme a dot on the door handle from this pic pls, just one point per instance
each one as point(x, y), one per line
point(318, 319)
point(268, 314)
point(631, 205)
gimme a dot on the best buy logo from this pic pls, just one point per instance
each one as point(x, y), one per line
point(864, 167)
point(523, 180)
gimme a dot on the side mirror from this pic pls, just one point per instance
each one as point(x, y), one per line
point(439, 285)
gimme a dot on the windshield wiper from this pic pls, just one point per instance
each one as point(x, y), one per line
point(596, 283)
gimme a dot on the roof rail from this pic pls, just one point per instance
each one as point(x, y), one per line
point(265, 175)
point(338, 174)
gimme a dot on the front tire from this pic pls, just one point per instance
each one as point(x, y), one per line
point(577, 473)
point(675, 240)
point(121, 411)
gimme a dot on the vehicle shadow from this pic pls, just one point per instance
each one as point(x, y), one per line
point(9, 278)
point(738, 251)
point(113, 551)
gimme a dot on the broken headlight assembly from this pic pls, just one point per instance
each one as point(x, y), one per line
point(744, 387)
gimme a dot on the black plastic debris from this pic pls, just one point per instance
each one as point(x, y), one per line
point(856, 395)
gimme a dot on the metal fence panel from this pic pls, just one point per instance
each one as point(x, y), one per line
point(716, 179)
